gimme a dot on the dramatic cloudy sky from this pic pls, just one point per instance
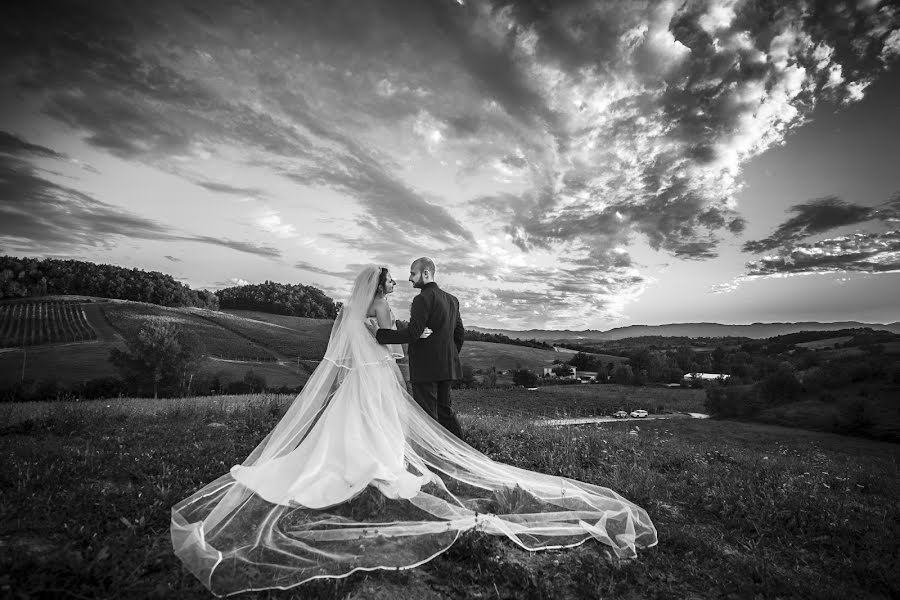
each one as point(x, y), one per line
point(567, 163)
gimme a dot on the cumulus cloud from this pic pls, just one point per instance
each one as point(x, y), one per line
point(656, 127)
point(231, 282)
point(269, 220)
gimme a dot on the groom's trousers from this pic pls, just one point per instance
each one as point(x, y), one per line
point(434, 398)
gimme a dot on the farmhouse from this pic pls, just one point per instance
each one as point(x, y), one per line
point(573, 374)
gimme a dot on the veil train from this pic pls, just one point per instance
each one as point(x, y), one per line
point(356, 476)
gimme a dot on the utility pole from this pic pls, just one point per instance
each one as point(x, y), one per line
point(24, 355)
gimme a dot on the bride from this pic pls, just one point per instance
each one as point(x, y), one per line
point(356, 476)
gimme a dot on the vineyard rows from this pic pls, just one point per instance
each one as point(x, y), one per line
point(35, 323)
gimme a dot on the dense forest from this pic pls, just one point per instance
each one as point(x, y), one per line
point(295, 300)
point(31, 277)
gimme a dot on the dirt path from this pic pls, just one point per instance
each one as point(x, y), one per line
point(99, 322)
point(586, 420)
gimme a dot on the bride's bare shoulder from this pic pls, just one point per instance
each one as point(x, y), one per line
point(378, 304)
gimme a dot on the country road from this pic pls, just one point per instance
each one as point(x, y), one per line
point(587, 420)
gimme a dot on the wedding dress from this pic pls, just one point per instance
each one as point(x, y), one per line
point(356, 476)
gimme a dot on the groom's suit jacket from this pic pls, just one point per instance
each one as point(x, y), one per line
point(435, 358)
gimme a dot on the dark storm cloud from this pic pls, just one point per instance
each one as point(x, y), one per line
point(818, 216)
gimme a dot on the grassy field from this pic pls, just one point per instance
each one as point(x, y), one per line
point(65, 363)
point(743, 510)
point(289, 336)
point(484, 355)
point(584, 400)
point(219, 342)
point(826, 343)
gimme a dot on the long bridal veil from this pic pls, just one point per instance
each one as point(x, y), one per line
point(356, 476)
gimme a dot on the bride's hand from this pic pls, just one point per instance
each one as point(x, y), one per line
point(426, 333)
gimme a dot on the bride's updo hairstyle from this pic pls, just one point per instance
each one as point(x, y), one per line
point(382, 281)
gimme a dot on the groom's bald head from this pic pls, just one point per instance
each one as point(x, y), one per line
point(424, 264)
point(421, 272)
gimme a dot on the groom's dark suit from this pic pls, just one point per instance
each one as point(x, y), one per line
point(433, 361)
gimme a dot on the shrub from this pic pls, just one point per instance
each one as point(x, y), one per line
point(732, 401)
point(525, 378)
point(780, 387)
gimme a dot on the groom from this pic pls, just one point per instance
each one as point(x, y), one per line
point(433, 361)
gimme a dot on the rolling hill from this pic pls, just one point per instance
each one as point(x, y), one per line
point(692, 330)
point(484, 355)
point(281, 354)
point(283, 349)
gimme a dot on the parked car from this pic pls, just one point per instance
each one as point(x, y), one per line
point(639, 414)
point(620, 414)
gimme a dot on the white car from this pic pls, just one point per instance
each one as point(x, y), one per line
point(639, 414)
point(620, 414)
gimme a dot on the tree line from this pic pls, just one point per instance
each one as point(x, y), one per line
point(499, 338)
point(294, 300)
point(31, 277)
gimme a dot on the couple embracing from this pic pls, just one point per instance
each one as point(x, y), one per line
point(358, 475)
point(435, 337)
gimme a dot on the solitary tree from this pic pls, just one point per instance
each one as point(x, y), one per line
point(159, 355)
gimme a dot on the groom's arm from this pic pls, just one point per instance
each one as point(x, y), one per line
point(459, 332)
point(417, 321)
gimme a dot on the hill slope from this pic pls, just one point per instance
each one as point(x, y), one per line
point(694, 330)
point(267, 349)
point(484, 355)
point(282, 348)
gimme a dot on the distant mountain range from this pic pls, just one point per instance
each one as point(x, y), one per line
point(691, 330)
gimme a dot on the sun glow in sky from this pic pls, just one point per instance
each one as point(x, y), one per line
point(575, 165)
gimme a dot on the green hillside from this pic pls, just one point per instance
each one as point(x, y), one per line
point(484, 355)
point(284, 349)
point(79, 358)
